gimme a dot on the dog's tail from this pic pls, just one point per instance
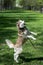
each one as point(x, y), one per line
point(9, 43)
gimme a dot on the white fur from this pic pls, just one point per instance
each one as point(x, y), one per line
point(9, 43)
point(30, 36)
point(21, 24)
point(33, 33)
point(17, 51)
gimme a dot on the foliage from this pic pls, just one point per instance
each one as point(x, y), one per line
point(25, 4)
point(32, 3)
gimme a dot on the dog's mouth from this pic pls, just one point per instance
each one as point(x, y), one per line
point(22, 27)
point(20, 24)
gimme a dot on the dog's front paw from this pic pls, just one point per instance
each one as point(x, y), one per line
point(35, 33)
point(34, 38)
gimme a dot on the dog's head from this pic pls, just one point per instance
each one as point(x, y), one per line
point(21, 24)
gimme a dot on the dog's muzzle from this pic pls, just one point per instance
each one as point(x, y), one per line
point(22, 24)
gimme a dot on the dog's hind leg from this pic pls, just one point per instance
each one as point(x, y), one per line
point(17, 52)
point(16, 55)
point(9, 43)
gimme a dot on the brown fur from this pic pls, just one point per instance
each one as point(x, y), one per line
point(20, 40)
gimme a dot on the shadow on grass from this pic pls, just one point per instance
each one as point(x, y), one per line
point(7, 58)
point(16, 10)
point(7, 22)
point(9, 32)
point(25, 57)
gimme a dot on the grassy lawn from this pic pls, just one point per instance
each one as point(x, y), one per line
point(30, 55)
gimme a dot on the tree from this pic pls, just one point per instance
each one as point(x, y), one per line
point(31, 4)
point(9, 4)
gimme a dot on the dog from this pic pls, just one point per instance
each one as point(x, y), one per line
point(23, 35)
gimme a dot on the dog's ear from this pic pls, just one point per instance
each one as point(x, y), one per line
point(18, 24)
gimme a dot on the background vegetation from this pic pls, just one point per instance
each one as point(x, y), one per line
point(24, 4)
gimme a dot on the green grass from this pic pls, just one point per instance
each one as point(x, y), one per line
point(30, 55)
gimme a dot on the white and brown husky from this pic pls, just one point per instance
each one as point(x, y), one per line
point(23, 35)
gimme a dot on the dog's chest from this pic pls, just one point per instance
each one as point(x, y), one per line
point(25, 33)
point(20, 40)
